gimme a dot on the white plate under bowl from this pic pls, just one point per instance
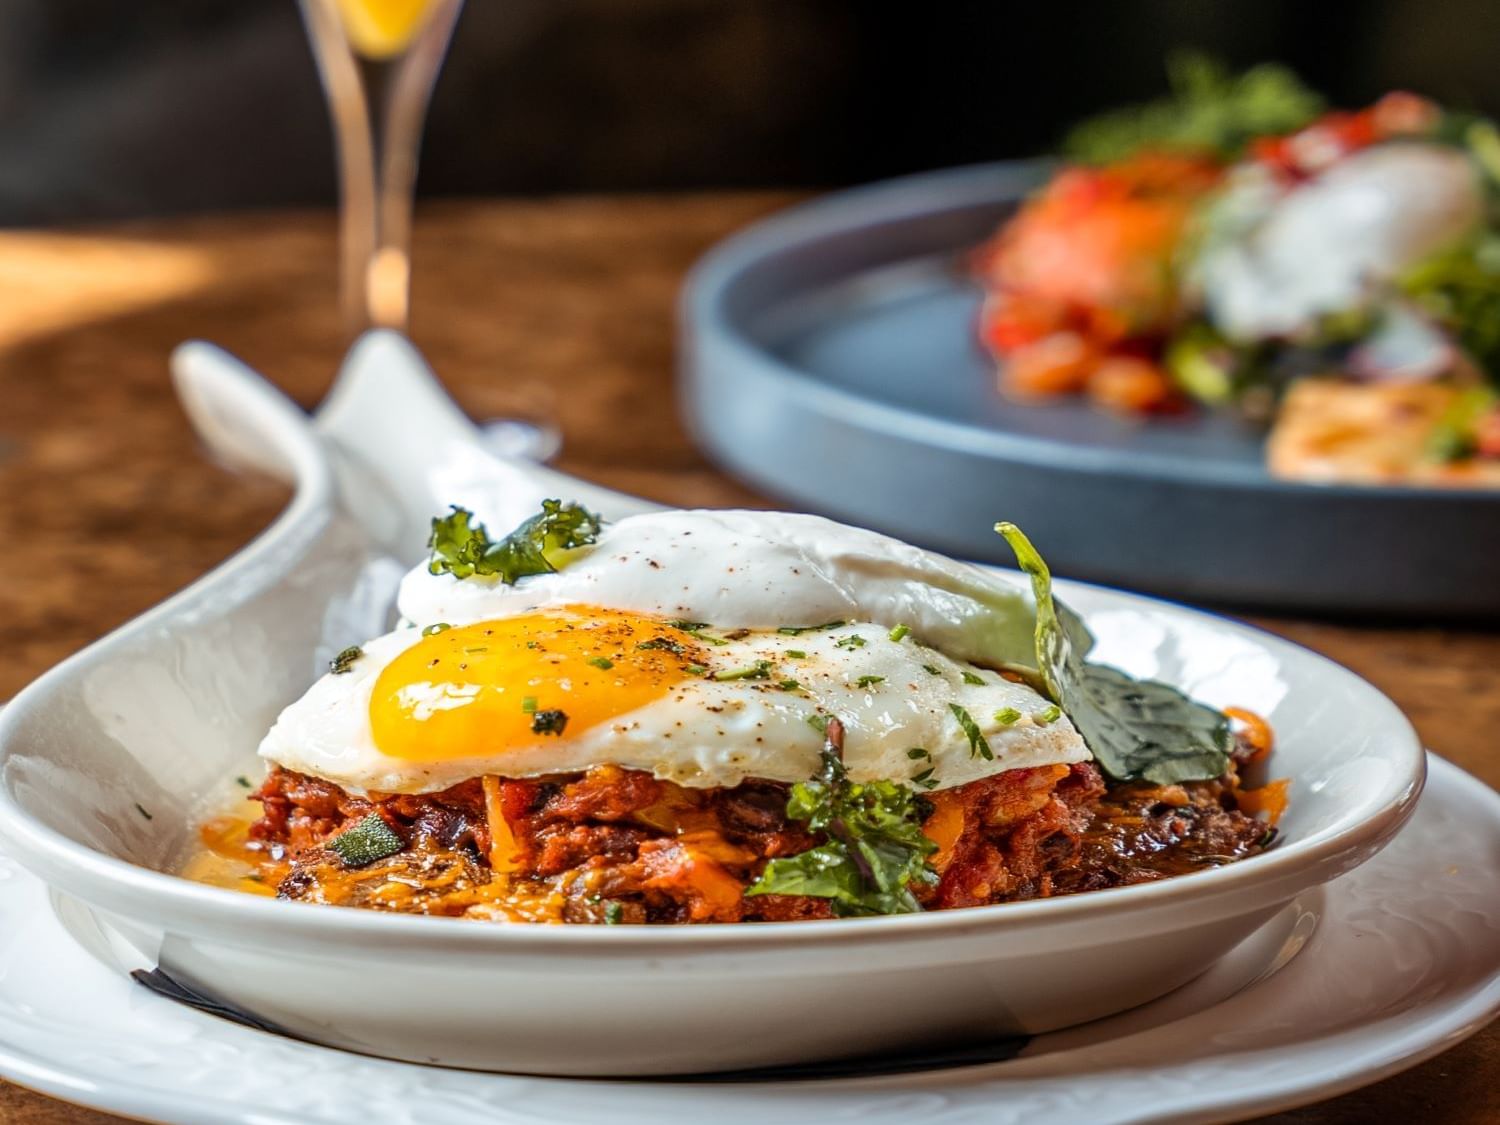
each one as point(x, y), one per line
point(1403, 962)
point(108, 760)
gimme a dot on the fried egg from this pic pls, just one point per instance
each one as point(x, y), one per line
point(704, 648)
point(757, 570)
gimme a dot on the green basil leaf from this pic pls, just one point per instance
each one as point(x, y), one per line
point(1134, 728)
point(1145, 729)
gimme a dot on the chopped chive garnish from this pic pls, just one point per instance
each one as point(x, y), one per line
point(1007, 715)
point(528, 704)
point(434, 630)
point(798, 630)
point(796, 654)
point(978, 747)
point(370, 840)
point(144, 813)
point(971, 678)
point(924, 778)
point(243, 782)
point(819, 723)
point(665, 644)
point(603, 662)
point(695, 669)
point(869, 681)
point(478, 648)
point(344, 661)
point(1050, 715)
point(930, 670)
point(532, 644)
point(917, 752)
point(696, 629)
point(549, 722)
point(760, 670)
point(900, 632)
point(853, 640)
point(614, 913)
point(789, 685)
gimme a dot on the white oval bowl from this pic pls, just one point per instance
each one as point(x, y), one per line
point(157, 716)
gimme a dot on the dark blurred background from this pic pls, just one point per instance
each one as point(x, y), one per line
point(112, 108)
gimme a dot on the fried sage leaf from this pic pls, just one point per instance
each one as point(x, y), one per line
point(369, 840)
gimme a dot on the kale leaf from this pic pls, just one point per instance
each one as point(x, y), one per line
point(874, 850)
point(1134, 728)
point(462, 547)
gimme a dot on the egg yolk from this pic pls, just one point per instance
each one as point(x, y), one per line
point(482, 689)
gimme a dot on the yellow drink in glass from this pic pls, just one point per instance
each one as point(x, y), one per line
point(382, 29)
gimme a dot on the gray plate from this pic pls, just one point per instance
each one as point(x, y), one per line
point(829, 358)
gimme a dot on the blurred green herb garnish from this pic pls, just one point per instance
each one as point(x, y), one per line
point(1208, 110)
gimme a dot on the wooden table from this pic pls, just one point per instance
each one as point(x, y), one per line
point(559, 309)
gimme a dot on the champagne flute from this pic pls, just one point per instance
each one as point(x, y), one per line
point(379, 60)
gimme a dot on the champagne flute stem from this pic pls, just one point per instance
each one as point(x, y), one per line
point(409, 92)
point(377, 107)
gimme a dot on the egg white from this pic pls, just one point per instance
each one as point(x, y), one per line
point(708, 733)
point(737, 571)
point(756, 570)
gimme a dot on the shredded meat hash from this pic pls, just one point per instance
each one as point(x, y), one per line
point(617, 845)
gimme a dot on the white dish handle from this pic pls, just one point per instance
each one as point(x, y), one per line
point(243, 419)
point(401, 448)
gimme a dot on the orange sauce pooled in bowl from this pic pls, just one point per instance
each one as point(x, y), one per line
point(227, 857)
